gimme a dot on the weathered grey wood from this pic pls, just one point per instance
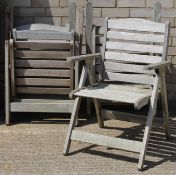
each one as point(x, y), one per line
point(74, 113)
point(105, 37)
point(135, 37)
point(89, 39)
point(166, 41)
point(134, 47)
point(53, 64)
point(72, 15)
point(130, 145)
point(121, 67)
point(12, 67)
point(151, 113)
point(89, 64)
point(71, 125)
point(164, 103)
point(157, 12)
point(88, 29)
point(43, 45)
point(39, 26)
point(42, 73)
point(124, 116)
point(131, 78)
point(42, 90)
point(61, 106)
point(84, 57)
point(42, 54)
point(42, 82)
point(134, 95)
point(136, 58)
point(42, 35)
point(136, 25)
point(7, 84)
point(41, 69)
point(119, 70)
point(160, 65)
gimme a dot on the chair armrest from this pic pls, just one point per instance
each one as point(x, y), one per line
point(83, 57)
point(157, 65)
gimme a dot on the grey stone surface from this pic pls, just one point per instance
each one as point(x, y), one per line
point(34, 147)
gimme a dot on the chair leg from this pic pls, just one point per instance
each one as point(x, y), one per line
point(165, 108)
point(7, 115)
point(7, 108)
point(71, 125)
point(98, 113)
point(148, 127)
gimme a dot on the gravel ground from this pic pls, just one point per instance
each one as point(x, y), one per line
point(34, 147)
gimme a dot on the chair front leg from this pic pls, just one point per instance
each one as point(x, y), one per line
point(72, 125)
point(148, 126)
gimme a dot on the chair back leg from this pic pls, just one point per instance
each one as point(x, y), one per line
point(165, 104)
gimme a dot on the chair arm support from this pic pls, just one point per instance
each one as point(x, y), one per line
point(83, 57)
point(157, 65)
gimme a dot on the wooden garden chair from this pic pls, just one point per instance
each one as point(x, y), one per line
point(38, 78)
point(133, 64)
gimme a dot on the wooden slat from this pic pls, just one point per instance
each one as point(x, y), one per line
point(42, 64)
point(40, 90)
point(124, 144)
point(136, 25)
point(38, 27)
point(42, 105)
point(134, 47)
point(135, 37)
point(120, 67)
point(42, 54)
point(43, 45)
point(41, 73)
point(131, 78)
point(131, 117)
point(117, 93)
point(43, 35)
point(42, 82)
point(132, 57)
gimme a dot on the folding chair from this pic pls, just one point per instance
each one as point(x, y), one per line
point(133, 64)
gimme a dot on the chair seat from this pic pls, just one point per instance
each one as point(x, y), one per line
point(137, 95)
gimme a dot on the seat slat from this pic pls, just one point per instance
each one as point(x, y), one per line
point(135, 36)
point(41, 73)
point(43, 35)
point(131, 78)
point(136, 25)
point(42, 64)
point(120, 67)
point(41, 90)
point(42, 54)
point(122, 93)
point(134, 47)
point(43, 45)
point(132, 57)
point(42, 82)
point(130, 145)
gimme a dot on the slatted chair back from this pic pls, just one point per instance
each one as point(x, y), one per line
point(38, 61)
point(129, 44)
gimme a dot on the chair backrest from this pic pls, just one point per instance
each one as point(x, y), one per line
point(129, 44)
point(38, 62)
